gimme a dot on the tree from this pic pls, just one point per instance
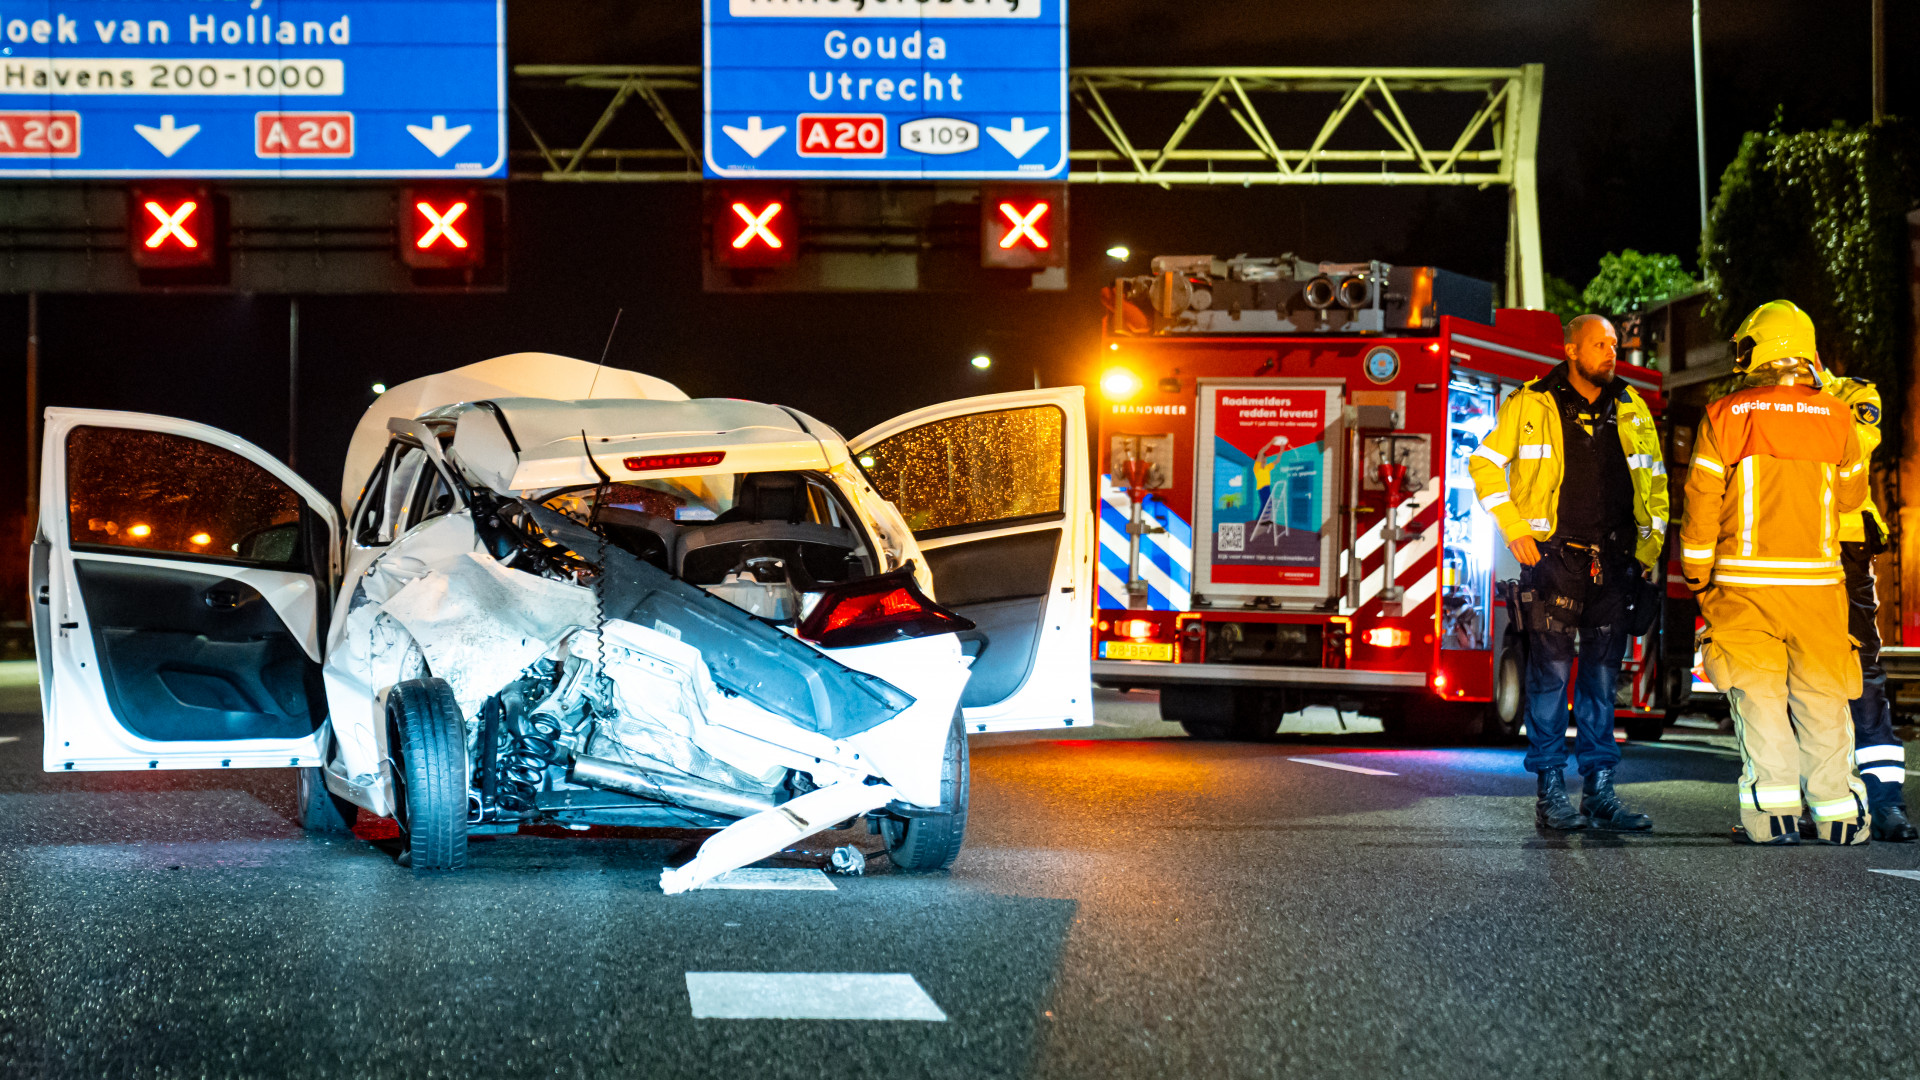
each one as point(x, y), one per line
point(1562, 298)
point(1628, 282)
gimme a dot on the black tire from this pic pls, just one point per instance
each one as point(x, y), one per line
point(925, 845)
point(1645, 728)
point(1507, 711)
point(1222, 712)
point(428, 740)
point(320, 810)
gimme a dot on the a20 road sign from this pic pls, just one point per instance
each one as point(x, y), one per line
point(965, 89)
point(349, 88)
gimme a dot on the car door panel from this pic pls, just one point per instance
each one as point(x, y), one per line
point(187, 575)
point(996, 491)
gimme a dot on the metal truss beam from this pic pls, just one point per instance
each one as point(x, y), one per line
point(1474, 127)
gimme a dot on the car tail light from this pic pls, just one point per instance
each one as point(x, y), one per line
point(888, 607)
point(1389, 637)
point(674, 461)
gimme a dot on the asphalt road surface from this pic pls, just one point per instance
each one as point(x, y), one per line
point(1130, 903)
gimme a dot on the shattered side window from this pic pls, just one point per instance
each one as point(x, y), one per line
point(973, 470)
point(157, 492)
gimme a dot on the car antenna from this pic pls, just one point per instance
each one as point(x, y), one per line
point(604, 351)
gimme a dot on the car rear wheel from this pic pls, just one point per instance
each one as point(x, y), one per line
point(926, 843)
point(429, 744)
point(320, 810)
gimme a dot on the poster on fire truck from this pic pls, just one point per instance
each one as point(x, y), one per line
point(1266, 494)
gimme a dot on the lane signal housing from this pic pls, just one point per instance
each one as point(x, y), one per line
point(1023, 226)
point(443, 228)
point(173, 228)
point(755, 227)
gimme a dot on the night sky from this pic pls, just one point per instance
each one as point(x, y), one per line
point(1617, 163)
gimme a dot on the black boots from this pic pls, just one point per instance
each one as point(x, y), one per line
point(1890, 825)
point(1552, 809)
point(1599, 803)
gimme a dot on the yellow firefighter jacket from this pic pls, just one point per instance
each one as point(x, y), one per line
point(1864, 399)
point(1518, 467)
point(1772, 465)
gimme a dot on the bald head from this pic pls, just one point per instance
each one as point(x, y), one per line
point(1591, 346)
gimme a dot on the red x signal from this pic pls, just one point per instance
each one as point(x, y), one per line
point(172, 228)
point(754, 227)
point(442, 228)
point(1023, 226)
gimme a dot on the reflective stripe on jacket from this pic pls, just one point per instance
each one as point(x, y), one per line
point(1519, 465)
point(1772, 465)
point(1864, 399)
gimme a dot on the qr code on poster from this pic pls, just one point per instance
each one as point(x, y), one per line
point(1233, 536)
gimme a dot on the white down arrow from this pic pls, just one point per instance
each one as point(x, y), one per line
point(166, 138)
point(1018, 140)
point(439, 138)
point(753, 138)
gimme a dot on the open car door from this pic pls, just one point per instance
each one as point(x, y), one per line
point(181, 583)
point(997, 494)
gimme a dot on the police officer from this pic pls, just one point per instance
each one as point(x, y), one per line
point(1572, 473)
point(1863, 534)
point(1772, 465)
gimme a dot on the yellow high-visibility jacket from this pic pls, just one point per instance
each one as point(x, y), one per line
point(1518, 467)
point(1864, 399)
point(1772, 465)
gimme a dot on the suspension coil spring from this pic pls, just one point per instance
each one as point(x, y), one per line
point(535, 745)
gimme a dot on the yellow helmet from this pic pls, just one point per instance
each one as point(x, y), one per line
point(1777, 332)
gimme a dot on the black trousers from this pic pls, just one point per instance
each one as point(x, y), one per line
point(1882, 759)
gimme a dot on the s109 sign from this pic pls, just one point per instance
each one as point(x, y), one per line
point(967, 89)
point(268, 88)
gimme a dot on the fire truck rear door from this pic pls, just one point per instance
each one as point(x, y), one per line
point(996, 490)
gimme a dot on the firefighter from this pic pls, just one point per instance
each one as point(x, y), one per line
point(1573, 474)
point(1863, 534)
point(1772, 465)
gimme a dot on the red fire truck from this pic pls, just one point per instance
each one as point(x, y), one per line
point(1286, 517)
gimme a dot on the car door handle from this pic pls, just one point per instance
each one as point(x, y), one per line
point(222, 598)
point(43, 595)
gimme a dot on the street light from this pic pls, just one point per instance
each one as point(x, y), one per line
point(1120, 252)
point(379, 388)
point(982, 361)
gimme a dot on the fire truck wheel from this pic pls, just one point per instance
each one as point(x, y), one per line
point(1223, 712)
point(1646, 728)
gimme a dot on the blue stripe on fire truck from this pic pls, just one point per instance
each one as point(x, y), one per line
point(1166, 558)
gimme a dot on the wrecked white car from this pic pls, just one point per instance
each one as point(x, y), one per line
point(563, 594)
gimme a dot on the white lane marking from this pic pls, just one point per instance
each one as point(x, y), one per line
point(1910, 875)
point(1693, 749)
point(9, 738)
point(1325, 764)
point(808, 995)
point(762, 877)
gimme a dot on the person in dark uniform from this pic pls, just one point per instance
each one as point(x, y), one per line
point(1573, 474)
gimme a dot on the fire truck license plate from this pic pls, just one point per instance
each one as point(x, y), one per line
point(1136, 650)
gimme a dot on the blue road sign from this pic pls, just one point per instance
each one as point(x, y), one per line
point(269, 88)
point(964, 89)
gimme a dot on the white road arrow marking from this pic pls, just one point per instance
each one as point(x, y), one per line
point(1019, 140)
point(166, 138)
point(753, 138)
point(439, 138)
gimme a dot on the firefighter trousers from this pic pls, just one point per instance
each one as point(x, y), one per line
point(1882, 759)
point(1788, 667)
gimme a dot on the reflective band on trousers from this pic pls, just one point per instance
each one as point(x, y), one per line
point(1886, 774)
point(1884, 752)
point(1832, 811)
point(1774, 798)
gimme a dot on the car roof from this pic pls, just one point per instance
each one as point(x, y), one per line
point(535, 444)
point(515, 375)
